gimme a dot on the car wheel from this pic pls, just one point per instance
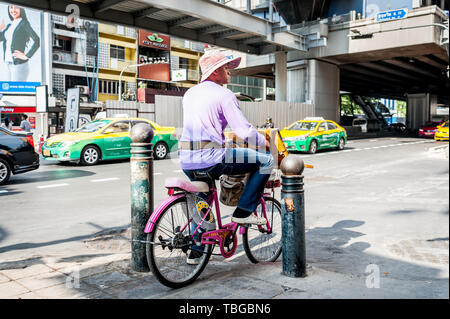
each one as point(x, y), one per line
point(341, 144)
point(5, 172)
point(90, 155)
point(160, 151)
point(312, 147)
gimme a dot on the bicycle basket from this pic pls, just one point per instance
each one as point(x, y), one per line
point(231, 188)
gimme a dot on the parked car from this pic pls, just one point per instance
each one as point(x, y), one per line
point(441, 132)
point(17, 154)
point(428, 129)
point(397, 127)
point(105, 139)
point(312, 134)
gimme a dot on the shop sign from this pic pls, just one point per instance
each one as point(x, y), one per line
point(179, 75)
point(7, 109)
point(154, 40)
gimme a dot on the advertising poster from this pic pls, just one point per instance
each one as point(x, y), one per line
point(20, 49)
point(72, 109)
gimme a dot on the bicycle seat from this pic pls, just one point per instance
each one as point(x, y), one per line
point(188, 186)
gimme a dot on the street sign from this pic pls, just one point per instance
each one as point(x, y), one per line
point(392, 15)
point(72, 109)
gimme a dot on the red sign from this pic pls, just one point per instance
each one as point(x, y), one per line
point(32, 121)
point(10, 109)
point(154, 40)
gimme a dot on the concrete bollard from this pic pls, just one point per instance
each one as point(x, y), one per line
point(141, 163)
point(293, 217)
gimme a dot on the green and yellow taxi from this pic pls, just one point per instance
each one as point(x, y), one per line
point(106, 139)
point(441, 133)
point(312, 134)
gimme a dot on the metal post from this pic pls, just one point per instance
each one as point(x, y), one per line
point(141, 163)
point(293, 217)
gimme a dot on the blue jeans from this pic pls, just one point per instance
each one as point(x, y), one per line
point(237, 161)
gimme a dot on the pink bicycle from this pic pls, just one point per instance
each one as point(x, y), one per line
point(170, 235)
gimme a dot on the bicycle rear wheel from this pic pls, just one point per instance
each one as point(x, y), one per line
point(260, 245)
point(168, 246)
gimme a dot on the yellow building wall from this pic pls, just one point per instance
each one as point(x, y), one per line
point(193, 67)
point(108, 35)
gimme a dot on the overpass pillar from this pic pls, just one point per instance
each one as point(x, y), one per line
point(280, 76)
point(323, 89)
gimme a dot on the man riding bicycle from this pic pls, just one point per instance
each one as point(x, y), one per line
point(208, 108)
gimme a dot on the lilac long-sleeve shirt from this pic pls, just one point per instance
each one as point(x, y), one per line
point(207, 110)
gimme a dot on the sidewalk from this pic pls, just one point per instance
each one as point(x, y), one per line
point(101, 271)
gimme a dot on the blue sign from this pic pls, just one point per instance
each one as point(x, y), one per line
point(19, 87)
point(392, 15)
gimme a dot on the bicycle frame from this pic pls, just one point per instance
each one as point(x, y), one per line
point(214, 237)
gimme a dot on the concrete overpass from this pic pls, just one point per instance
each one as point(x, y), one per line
point(402, 59)
point(310, 61)
point(197, 20)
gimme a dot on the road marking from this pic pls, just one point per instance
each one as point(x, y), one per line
point(372, 140)
point(178, 171)
point(157, 174)
point(105, 180)
point(2, 192)
point(54, 185)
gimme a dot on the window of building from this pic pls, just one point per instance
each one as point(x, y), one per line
point(62, 43)
point(183, 63)
point(117, 52)
point(110, 87)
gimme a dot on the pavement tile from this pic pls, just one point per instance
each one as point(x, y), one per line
point(11, 289)
point(28, 295)
point(64, 291)
point(3, 279)
point(83, 271)
point(140, 289)
point(43, 280)
point(30, 271)
point(107, 280)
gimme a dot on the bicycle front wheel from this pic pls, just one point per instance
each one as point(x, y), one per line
point(169, 244)
point(260, 243)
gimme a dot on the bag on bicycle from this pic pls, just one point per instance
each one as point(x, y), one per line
point(231, 188)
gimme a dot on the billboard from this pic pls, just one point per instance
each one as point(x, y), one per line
point(20, 49)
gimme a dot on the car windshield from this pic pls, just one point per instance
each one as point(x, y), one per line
point(303, 126)
point(93, 126)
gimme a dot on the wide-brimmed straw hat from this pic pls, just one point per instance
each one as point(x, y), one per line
point(214, 59)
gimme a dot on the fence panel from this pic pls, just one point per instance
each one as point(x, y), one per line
point(130, 108)
point(168, 111)
point(282, 113)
